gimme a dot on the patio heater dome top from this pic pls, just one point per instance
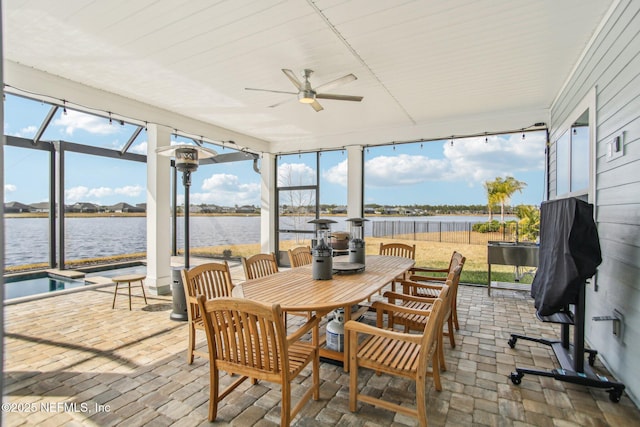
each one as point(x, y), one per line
point(357, 221)
point(322, 224)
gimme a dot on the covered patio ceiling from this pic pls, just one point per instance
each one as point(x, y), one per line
point(426, 69)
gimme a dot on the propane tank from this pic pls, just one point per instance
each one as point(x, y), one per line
point(335, 331)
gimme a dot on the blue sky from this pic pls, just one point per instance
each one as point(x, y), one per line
point(432, 173)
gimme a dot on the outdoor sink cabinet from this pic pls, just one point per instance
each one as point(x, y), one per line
point(518, 254)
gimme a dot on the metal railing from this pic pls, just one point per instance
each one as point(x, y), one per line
point(442, 231)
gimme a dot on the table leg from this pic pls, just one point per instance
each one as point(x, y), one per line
point(345, 348)
point(115, 293)
point(143, 294)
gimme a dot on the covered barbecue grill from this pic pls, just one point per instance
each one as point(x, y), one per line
point(569, 255)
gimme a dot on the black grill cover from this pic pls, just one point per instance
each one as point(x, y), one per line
point(569, 253)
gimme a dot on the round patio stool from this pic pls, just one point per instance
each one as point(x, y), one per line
point(128, 279)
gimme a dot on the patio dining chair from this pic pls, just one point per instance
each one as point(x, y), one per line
point(212, 280)
point(300, 256)
point(432, 290)
point(415, 321)
point(400, 250)
point(248, 338)
point(395, 353)
point(259, 265)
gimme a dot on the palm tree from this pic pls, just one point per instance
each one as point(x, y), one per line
point(500, 191)
point(492, 199)
point(529, 217)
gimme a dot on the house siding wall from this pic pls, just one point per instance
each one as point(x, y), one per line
point(612, 67)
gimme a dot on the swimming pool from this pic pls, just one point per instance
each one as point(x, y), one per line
point(43, 283)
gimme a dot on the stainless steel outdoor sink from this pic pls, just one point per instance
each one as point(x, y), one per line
point(518, 254)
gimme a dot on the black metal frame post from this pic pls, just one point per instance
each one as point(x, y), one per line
point(186, 181)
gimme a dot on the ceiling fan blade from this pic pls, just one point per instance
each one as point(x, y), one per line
point(339, 97)
point(316, 106)
point(269, 90)
point(337, 82)
point(293, 78)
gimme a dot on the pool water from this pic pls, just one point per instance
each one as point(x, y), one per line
point(45, 284)
point(39, 285)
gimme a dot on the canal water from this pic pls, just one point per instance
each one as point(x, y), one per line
point(26, 239)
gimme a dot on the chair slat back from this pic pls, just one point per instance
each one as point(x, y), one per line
point(213, 280)
point(300, 256)
point(398, 249)
point(456, 260)
point(260, 265)
point(245, 336)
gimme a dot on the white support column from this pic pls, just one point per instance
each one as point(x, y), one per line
point(268, 208)
point(355, 181)
point(158, 212)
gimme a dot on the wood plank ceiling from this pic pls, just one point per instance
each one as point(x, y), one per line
point(426, 69)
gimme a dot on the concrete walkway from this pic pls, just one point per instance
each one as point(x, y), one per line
point(71, 360)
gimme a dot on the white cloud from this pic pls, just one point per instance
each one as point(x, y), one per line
point(468, 160)
point(139, 148)
point(337, 174)
point(74, 120)
point(75, 194)
point(25, 132)
point(100, 192)
point(85, 194)
point(226, 190)
point(129, 190)
point(28, 132)
point(475, 160)
point(291, 174)
point(10, 188)
point(404, 169)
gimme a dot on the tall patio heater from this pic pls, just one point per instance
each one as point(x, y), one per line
point(186, 161)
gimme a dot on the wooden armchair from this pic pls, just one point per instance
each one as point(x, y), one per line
point(248, 338)
point(212, 280)
point(433, 288)
point(259, 265)
point(395, 353)
point(400, 250)
point(300, 256)
point(417, 314)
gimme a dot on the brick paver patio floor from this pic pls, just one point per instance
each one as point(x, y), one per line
point(72, 360)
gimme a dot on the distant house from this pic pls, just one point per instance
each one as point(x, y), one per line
point(83, 207)
point(17, 207)
point(389, 211)
point(246, 209)
point(339, 210)
point(125, 208)
point(40, 207)
point(210, 208)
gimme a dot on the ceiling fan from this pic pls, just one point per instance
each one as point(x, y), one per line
point(309, 95)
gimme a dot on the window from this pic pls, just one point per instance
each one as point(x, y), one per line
point(572, 158)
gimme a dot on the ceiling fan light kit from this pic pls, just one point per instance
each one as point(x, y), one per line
point(308, 95)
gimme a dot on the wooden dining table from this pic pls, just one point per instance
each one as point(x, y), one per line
point(296, 291)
